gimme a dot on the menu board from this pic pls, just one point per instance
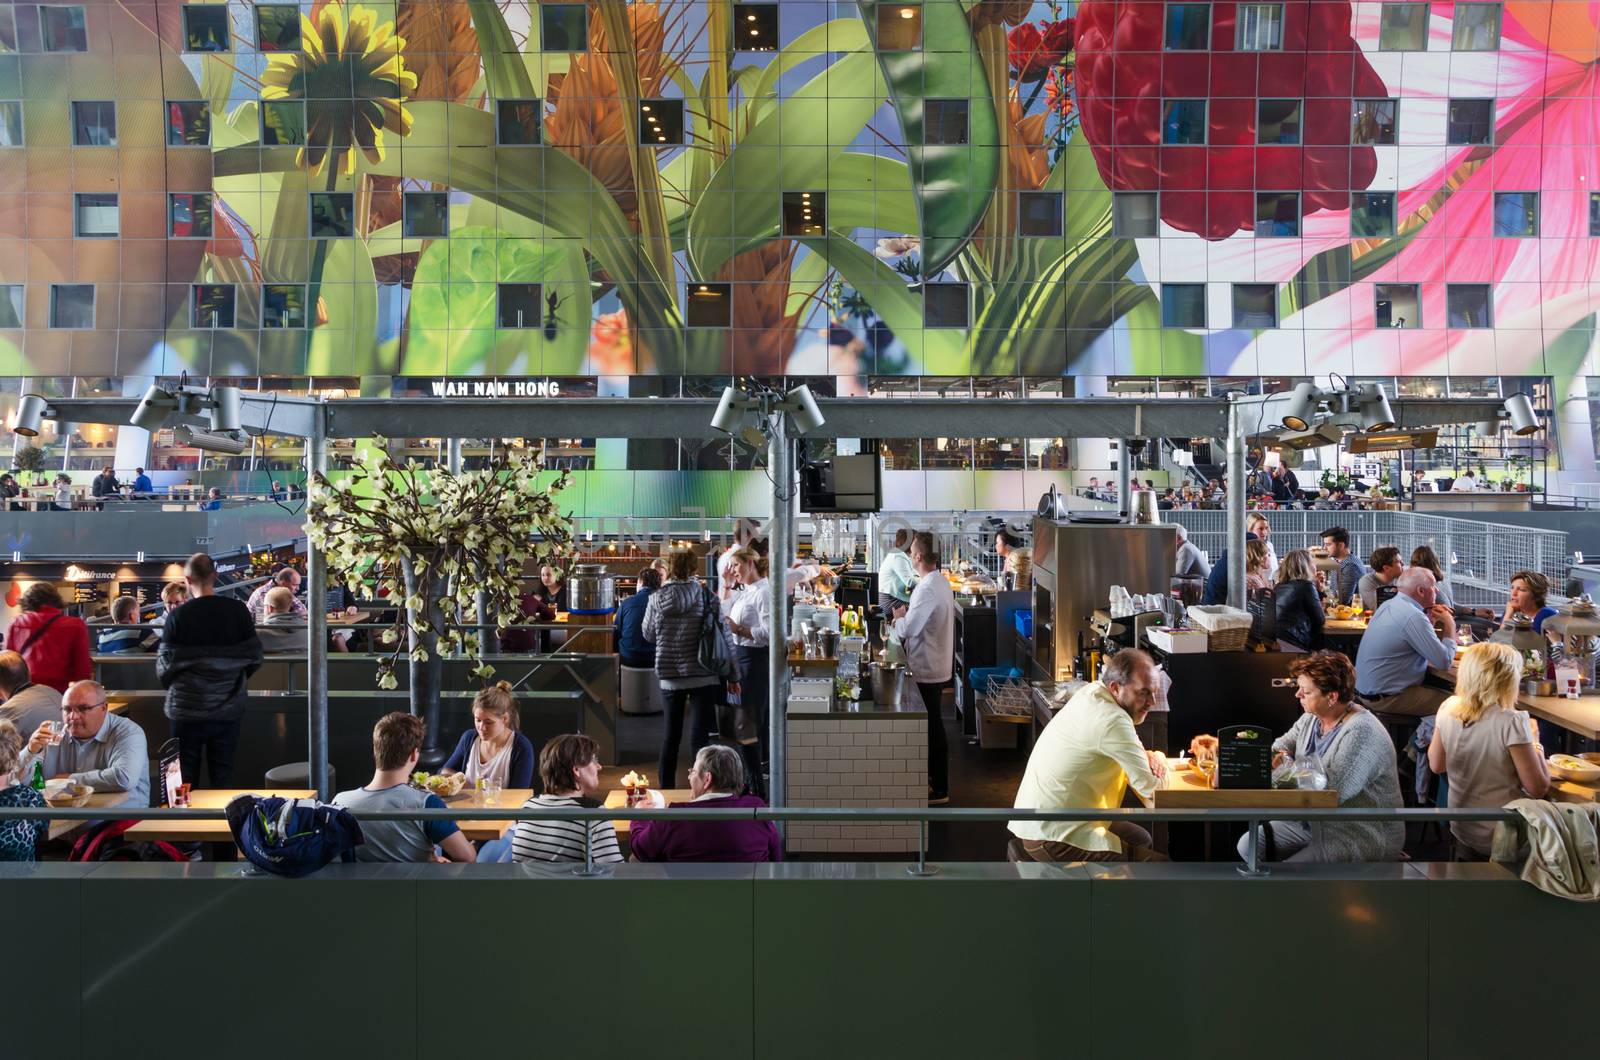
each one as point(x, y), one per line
point(1244, 757)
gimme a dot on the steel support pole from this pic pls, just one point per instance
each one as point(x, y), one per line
point(1235, 484)
point(780, 553)
point(452, 455)
point(1125, 479)
point(317, 624)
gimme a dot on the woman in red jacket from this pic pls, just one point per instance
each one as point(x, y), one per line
point(55, 645)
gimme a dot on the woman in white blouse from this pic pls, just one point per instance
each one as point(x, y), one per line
point(748, 616)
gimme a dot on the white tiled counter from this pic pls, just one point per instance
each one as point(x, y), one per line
point(864, 756)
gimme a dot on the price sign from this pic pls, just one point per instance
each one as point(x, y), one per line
point(1244, 757)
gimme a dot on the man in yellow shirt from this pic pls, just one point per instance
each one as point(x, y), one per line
point(1086, 758)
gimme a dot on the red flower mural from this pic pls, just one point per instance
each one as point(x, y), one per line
point(1036, 50)
point(1124, 75)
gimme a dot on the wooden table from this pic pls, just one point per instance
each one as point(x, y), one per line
point(60, 829)
point(479, 831)
point(1344, 627)
point(158, 826)
point(1184, 789)
point(617, 799)
point(1572, 791)
point(1581, 715)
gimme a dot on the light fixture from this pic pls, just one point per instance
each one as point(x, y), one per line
point(1519, 409)
point(210, 441)
point(906, 12)
point(730, 409)
point(224, 408)
point(153, 408)
point(1486, 428)
point(1373, 403)
point(31, 412)
point(1302, 407)
point(800, 403)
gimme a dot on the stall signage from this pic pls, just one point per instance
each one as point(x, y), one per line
point(477, 388)
point(76, 573)
point(1244, 757)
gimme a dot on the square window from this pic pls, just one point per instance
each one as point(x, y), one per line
point(1259, 28)
point(517, 305)
point(283, 305)
point(1133, 214)
point(94, 124)
point(710, 305)
point(8, 30)
point(1278, 121)
point(1373, 121)
point(205, 27)
point(1188, 27)
point(1471, 122)
point(1516, 214)
point(517, 122)
point(333, 215)
point(1397, 305)
point(277, 28)
point(63, 29)
point(946, 122)
point(899, 27)
point(1255, 305)
point(72, 305)
point(1371, 214)
point(1475, 28)
point(1183, 305)
point(427, 214)
point(189, 215)
point(283, 123)
point(1594, 214)
point(95, 216)
point(212, 306)
point(944, 305)
point(10, 123)
point(755, 27)
point(805, 213)
point(565, 27)
point(1403, 28)
point(1183, 121)
point(1468, 305)
point(188, 123)
point(660, 122)
point(1277, 214)
point(11, 305)
point(1040, 213)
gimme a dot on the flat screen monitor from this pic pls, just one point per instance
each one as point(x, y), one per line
point(843, 484)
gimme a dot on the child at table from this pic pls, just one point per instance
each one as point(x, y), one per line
point(17, 838)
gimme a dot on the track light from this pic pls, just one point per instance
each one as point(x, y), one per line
point(210, 441)
point(154, 408)
point(730, 410)
point(1519, 410)
point(1302, 407)
point(801, 405)
point(30, 415)
point(225, 408)
point(1373, 403)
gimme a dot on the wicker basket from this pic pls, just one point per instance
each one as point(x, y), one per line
point(1227, 628)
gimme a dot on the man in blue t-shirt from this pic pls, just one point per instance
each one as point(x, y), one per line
point(396, 746)
point(142, 486)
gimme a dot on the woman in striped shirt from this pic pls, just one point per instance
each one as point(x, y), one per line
point(569, 771)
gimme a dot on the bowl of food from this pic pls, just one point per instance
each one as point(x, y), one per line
point(637, 787)
point(1570, 767)
point(446, 786)
point(67, 795)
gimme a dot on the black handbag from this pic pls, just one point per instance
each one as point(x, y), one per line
point(715, 656)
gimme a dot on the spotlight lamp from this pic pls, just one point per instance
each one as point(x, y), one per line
point(210, 441)
point(1519, 410)
point(31, 412)
point(730, 410)
point(1302, 407)
point(224, 408)
point(154, 408)
point(803, 407)
point(1373, 405)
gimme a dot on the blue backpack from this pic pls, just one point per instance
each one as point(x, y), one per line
point(291, 837)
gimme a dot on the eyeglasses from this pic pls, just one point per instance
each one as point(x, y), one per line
point(82, 710)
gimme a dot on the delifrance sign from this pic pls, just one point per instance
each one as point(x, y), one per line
point(461, 388)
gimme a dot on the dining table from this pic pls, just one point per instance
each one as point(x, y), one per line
point(1580, 716)
point(159, 826)
point(1185, 788)
point(617, 799)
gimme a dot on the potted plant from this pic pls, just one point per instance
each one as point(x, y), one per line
point(28, 459)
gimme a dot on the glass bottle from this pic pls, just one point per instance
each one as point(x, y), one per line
point(38, 776)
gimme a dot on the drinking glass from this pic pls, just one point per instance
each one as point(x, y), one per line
point(490, 791)
point(58, 732)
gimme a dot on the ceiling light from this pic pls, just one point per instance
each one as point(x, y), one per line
point(750, 18)
point(906, 12)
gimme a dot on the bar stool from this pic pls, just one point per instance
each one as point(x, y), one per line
point(296, 775)
point(641, 691)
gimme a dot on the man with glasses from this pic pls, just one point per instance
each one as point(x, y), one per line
point(99, 749)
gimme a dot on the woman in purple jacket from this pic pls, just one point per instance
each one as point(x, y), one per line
point(716, 778)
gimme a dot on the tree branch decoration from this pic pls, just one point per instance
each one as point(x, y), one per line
point(435, 540)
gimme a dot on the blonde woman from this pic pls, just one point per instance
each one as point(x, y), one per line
point(17, 838)
point(494, 749)
point(1297, 599)
point(1486, 746)
point(1256, 574)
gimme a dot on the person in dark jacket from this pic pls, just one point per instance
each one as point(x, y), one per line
point(106, 484)
point(1216, 590)
point(1297, 600)
point(673, 621)
point(716, 778)
point(631, 645)
point(209, 649)
point(54, 644)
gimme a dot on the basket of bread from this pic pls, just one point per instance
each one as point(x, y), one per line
point(444, 785)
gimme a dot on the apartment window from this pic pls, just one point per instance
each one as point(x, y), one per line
point(1255, 305)
point(94, 124)
point(1259, 28)
point(1371, 214)
point(63, 29)
point(283, 122)
point(755, 27)
point(205, 27)
point(805, 213)
point(899, 27)
point(212, 306)
point(517, 305)
point(283, 305)
point(95, 216)
point(517, 122)
point(1278, 121)
point(1373, 121)
point(1516, 214)
point(1403, 28)
point(946, 122)
point(1397, 305)
point(944, 305)
point(1183, 121)
point(1183, 305)
point(189, 215)
point(10, 123)
point(1277, 214)
point(277, 28)
point(188, 123)
point(710, 305)
point(660, 122)
point(1468, 305)
point(1133, 214)
point(1040, 213)
point(427, 214)
point(1188, 27)
point(1594, 214)
point(72, 305)
point(11, 305)
point(565, 27)
point(1475, 28)
point(333, 215)
point(1471, 122)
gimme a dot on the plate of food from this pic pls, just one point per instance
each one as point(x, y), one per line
point(444, 785)
point(67, 794)
point(1570, 767)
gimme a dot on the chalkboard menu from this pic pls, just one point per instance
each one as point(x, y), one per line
point(1384, 594)
point(1244, 757)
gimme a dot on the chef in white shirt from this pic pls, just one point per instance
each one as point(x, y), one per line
point(744, 532)
point(926, 627)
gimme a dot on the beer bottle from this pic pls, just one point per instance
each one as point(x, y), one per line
point(38, 775)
